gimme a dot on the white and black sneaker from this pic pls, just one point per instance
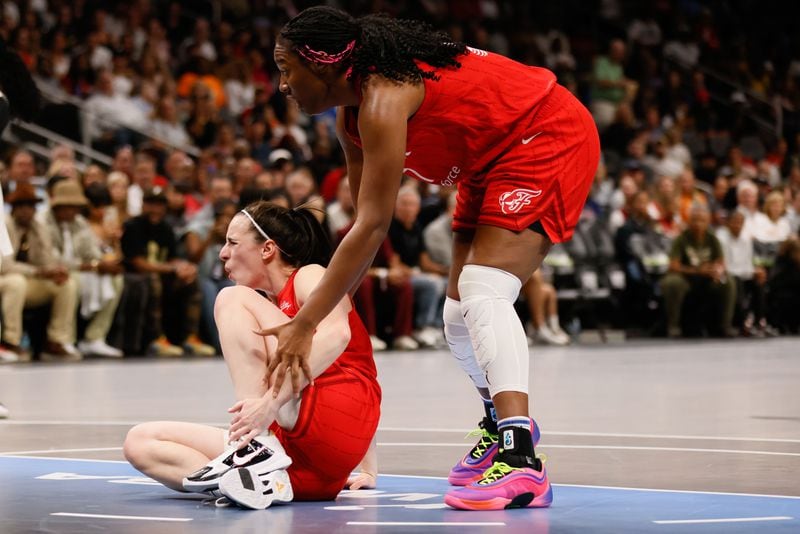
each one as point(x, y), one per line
point(264, 451)
point(256, 488)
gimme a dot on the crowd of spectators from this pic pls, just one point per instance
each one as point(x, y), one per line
point(692, 223)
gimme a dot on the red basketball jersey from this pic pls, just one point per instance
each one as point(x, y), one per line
point(357, 356)
point(469, 116)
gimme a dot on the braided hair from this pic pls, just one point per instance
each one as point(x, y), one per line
point(300, 237)
point(373, 44)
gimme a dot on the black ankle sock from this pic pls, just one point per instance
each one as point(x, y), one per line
point(516, 448)
point(489, 422)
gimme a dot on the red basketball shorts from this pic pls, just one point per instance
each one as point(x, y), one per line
point(338, 418)
point(543, 176)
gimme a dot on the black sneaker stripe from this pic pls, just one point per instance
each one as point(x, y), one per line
point(246, 479)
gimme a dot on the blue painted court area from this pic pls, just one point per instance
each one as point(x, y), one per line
point(63, 495)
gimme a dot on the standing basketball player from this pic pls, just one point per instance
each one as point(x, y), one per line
point(319, 437)
point(523, 152)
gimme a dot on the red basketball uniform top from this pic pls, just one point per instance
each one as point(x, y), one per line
point(357, 356)
point(469, 116)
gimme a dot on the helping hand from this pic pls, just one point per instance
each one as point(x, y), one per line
point(291, 355)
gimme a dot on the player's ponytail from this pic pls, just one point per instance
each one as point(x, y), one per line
point(300, 238)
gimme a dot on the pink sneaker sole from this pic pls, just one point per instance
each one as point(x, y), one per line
point(525, 500)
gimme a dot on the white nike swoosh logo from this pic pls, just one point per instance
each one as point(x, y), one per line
point(531, 138)
point(242, 460)
point(408, 153)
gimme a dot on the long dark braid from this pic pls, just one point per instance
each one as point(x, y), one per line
point(298, 234)
point(383, 45)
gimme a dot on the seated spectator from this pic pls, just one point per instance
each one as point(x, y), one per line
point(111, 114)
point(33, 277)
point(642, 252)
point(198, 230)
point(240, 88)
point(663, 207)
point(688, 194)
point(203, 121)
point(429, 279)
point(697, 270)
point(118, 191)
point(94, 174)
point(611, 87)
point(341, 212)
point(737, 247)
point(165, 125)
point(747, 203)
point(385, 299)
point(438, 235)
point(99, 280)
point(150, 247)
point(302, 191)
point(143, 177)
point(772, 226)
point(621, 201)
point(210, 270)
point(783, 288)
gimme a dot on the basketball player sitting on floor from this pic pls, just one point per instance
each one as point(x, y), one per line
point(278, 448)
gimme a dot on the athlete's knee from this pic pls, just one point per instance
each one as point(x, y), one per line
point(487, 297)
point(228, 297)
point(138, 444)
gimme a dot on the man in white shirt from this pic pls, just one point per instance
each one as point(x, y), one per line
point(737, 249)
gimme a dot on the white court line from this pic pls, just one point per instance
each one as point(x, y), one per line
point(54, 451)
point(722, 520)
point(133, 517)
point(604, 447)
point(88, 422)
point(61, 458)
point(619, 488)
point(46, 422)
point(424, 524)
point(599, 434)
point(429, 444)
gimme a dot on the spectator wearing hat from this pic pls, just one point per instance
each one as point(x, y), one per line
point(150, 247)
point(33, 277)
point(99, 280)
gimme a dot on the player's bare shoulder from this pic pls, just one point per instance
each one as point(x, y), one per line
point(381, 95)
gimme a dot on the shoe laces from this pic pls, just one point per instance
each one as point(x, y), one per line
point(495, 473)
point(487, 440)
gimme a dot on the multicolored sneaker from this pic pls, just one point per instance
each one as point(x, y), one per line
point(194, 345)
point(503, 486)
point(472, 466)
point(264, 451)
point(256, 488)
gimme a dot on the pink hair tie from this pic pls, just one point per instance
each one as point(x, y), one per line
point(318, 56)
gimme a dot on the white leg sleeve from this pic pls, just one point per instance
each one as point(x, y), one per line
point(457, 335)
point(498, 338)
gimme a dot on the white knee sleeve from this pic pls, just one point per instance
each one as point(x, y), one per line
point(457, 335)
point(498, 338)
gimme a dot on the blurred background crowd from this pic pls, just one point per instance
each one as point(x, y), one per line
point(161, 119)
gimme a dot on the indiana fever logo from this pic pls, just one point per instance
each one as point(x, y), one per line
point(513, 201)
